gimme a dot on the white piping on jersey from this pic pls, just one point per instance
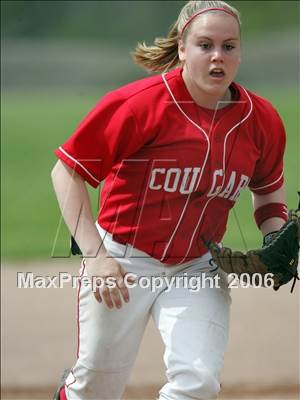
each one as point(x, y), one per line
point(223, 168)
point(203, 166)
point(202, 169)
point(78, 163)
point(270, 184)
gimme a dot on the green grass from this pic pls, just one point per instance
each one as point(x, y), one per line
point(34, 124)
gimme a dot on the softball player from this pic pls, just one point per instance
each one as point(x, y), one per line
point(175, 150)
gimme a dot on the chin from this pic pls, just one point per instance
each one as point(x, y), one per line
point(216, 91)
point(213, 89)
point(218, 87)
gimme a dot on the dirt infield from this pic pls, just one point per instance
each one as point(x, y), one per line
point(39, 341)
point(150, 393)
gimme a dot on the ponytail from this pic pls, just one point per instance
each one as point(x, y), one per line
point(163, 55)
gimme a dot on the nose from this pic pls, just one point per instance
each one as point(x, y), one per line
point(217, 55)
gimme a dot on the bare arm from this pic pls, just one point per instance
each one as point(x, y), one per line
point(75, 205)
point(278, 196)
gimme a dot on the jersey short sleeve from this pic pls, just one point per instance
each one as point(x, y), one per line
point(268, 173)
point(107, 135)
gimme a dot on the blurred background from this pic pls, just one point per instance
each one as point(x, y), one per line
point(57, 59)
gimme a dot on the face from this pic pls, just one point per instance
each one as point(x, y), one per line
point(211, 53)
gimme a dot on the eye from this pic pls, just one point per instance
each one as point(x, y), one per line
point(228, 47)
point(205, 46)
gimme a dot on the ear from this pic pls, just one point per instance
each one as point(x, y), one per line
point(181, 50)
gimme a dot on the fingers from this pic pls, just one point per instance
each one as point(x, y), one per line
point(123, 289)
point(97, 296)
point(111, 297)
point(109, 281)
point(113, 291)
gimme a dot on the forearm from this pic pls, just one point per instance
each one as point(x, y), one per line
point(271, 225)
point(75, 206)
point(274, 223)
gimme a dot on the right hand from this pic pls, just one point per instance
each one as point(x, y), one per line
point(102, 267)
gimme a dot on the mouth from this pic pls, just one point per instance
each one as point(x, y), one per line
point(217, 73)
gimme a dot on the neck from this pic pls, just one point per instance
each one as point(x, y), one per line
point(204, 99)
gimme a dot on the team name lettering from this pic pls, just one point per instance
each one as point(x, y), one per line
point(186, 181)
point(173, 179)
point(233, 187)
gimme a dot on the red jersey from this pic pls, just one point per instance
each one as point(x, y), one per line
point(173, 170)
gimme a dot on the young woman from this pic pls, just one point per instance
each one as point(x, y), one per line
point(175, 151)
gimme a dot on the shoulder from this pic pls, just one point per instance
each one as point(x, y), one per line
point(263, 110)
point(130, 99)
point(147, 93)
point(137, 90)
point(146, 100)
point(265, 124)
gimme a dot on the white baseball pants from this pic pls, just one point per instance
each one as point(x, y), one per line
point(193, 325)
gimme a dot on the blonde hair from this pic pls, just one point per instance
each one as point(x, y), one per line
point(163, 54)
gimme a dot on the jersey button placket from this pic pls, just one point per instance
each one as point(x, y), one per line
point(217, 138)
point(218, 149)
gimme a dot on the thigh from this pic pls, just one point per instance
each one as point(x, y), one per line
point(194, 325)
point(109, 338)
